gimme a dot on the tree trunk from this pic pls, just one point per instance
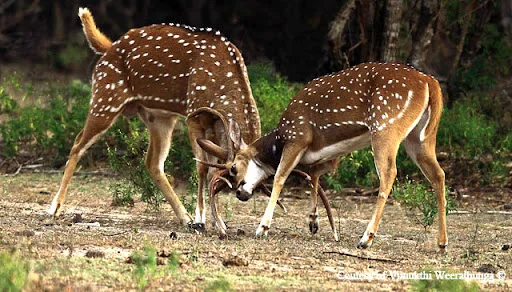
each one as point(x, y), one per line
point(464, 32)
point(336, 28)
point(392, 30)
point(423, 32)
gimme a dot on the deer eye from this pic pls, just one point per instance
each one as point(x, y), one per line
point(232, 170)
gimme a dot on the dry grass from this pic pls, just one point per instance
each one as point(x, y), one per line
point(290, 258)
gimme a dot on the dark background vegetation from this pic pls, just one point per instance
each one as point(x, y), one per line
point(45, 64)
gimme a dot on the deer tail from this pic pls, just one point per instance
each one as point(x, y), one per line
point(98, 42)
point(436, 107)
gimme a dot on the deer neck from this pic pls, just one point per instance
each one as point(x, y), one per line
point(269, 151)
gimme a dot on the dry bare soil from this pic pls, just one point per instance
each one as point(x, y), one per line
point(61, 251)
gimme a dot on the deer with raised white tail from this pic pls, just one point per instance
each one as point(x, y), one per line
point(373, 104)
point(160, 72)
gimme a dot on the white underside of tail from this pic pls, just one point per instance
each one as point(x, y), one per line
point(82, 10)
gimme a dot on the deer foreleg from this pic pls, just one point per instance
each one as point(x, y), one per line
point(290, 158)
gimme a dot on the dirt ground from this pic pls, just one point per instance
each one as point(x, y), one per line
point(289, 259)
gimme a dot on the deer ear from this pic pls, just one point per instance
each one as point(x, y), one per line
point(212, 148)
point(236, 136)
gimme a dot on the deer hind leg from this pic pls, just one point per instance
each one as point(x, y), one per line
point(385, 149)
point(313, 215)
point(198, 128)
point(316, 172)
point(94, 128)
point(290, 158)
point(424, 155)
point(160, 137)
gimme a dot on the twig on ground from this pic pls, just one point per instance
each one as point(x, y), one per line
point(344, 253)
point(114, 234)
point(456, 212)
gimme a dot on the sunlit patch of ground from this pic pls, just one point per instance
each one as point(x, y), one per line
point(290, 258)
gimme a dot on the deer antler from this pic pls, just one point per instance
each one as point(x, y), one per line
point(218, 183)
point(212, 164)
point(215, 187)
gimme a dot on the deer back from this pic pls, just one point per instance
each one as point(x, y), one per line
point(177, 69)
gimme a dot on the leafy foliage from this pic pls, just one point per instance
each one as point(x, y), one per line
point(416, 197)
point(451, 285)
point(14, 272)
point(490, 65)
point(48, 128)
point(127, 158)
point(219, 285)
point(272, 93)
point(145, 266)
point(7, 103)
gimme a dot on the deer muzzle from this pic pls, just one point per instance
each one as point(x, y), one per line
point(244, 192)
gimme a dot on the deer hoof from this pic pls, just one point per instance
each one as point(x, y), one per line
point(313, 223)
point(443, 248)
point(313, 227)
point(199, 227)
point(366, 240)
point(262, 231)
point(223, 236)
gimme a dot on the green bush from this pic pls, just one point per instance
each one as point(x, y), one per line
point(465, 131)
point(470, 131)
point(219, 285)
point(416, 197)
point(128, 159)
point(72, 56)
point(145, 266)
point(51, 127)
point(357, 169)
point(7, 103)
point(441, 285)
point(13, 272)
point(487, 67)
point(272, 93)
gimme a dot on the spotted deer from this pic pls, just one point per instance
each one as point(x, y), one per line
point(160, 72)
point(374, 104)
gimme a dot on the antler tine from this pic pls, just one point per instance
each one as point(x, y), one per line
point(216, 165)
point(217, 178)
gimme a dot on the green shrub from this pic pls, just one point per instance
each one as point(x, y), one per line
point(357, 169)
point(71, 56)
point(219, 285)
point(441, 285)
point(128, 159)
point(123, 193)
point(416, 197)
point(470, 131)
point(145, 266)
point(465, 131)
point(51, 127)
point(7, 103)
point(13, 272)
point(490, 65)
point(272, 93)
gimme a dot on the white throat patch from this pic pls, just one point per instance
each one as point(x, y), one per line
point(253, 176)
